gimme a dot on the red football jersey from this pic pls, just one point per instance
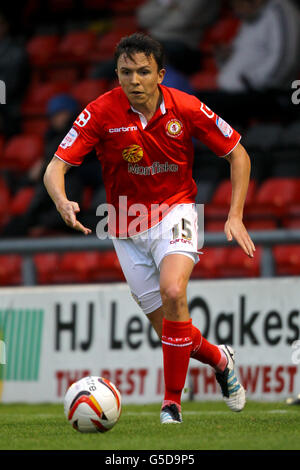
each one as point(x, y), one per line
point(149, 164)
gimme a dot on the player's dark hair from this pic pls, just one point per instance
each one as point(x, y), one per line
point(139, 42)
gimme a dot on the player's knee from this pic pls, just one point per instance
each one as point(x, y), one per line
point(173, 294)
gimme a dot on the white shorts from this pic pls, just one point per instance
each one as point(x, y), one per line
point(140, 256)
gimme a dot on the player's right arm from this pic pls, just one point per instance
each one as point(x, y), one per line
point(54, 180)
point(80, 140)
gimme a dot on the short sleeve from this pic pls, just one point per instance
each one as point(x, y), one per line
point(83, 136)
point(211, 129)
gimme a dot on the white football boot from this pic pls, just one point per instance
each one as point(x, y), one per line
point(233, 392)
point(170, 414)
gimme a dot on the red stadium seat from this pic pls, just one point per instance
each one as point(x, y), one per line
point(42, 49)
point(287, 260)
point(204, 80)
point(88, 90)
point(46, 265)
point(83, 267)
point(62, 73)
point(10, 270)
point(126, 23)
point(218, 208)
point(2, 143)
point(38, 95)
point(238, 264)
point(210, 262)
point(214, 225)
point(125, 6)
point(220, 33)
point(35, 125)
point(273, 198)
point(21, 152)
point(21, 201)
point(105, 46)
point(5, 199)
point(108, 268)
point(291, 217)
point(261, 224)
point(76, 46)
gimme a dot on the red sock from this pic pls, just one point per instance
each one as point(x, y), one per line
point(176, 346)
point(206, 352)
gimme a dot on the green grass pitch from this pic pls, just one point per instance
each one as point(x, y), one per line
point(206, 426)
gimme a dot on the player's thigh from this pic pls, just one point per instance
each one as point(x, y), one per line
point(141, 274)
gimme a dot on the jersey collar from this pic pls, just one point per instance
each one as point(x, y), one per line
point(164, 106)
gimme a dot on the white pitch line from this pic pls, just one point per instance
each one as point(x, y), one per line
point(217, 412)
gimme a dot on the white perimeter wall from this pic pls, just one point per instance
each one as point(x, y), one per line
point(100, 330)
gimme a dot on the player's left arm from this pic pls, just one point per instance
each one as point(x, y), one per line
point(240, 167)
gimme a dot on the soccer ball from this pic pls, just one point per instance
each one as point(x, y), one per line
point(93, 404)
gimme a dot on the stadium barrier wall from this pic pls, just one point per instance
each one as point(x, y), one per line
point(28, 247)
point(53, 336)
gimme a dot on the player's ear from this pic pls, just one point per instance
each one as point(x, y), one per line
point(116, 70)
point(161, 75)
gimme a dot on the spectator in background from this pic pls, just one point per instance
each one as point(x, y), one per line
point(15, 72)
point(265, 54)
point(256, 72)
point(179, 26)
point(42, 216)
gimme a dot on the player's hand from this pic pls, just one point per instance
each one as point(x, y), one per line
point(68, 211)
point(234, 228)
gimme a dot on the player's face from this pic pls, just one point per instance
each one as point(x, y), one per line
point(139, 77)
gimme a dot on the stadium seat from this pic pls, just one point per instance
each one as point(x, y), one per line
point(214, 225)
point(273, 198)
point(127, 23)
point(291, 217)
point(220, 33)
point(21, 201)
point(10, 270)
point(76, 46)
point(21, 152)
point(42, 49)
point(210, 262)
point(105, 46)
point(238, 264)
point(46, 265)
point(204, 80)
point(5, 199)
point(217, 209)
point(291, 221)
point(35, 125)
point(70, 73)
point(2, 142)
point(38, 95)
point(88, 90)
point(261, 224)
point(72, 268)
point(108, 268)
point(287, 260)
point(127, 6)
point(81, 267)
